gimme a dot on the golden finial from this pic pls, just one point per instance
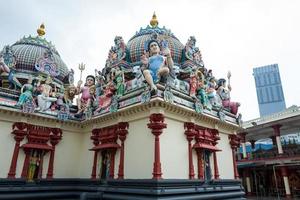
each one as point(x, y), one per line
point(41, 31)
point(154, 21)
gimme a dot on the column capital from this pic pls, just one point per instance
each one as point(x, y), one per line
point(157, 123)
point(122, 130)
point(276, 129)
point(242, 136)
point(189, 130)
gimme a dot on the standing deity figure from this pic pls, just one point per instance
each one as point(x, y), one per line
point(100, 81)
point(155, 66)
point(115, 54)
point(119, 81)
point(26, 93)
point(224, 94)
point(190, 48)
point(193, 84)
point(3, 66)
point(46, 97)
point(86, 96)
point(192, 52)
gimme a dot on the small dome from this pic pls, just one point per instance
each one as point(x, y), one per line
point(29, 49)
point(136, 45)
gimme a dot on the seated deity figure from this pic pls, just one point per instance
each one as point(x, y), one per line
point(155, 66)
point(46, 98)
point(224, 94)
point(86, 95)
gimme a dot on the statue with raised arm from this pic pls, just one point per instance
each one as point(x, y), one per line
point(224, 94)
point(154, 65)
point(86, 96)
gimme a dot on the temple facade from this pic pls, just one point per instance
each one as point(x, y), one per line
point(153, 117)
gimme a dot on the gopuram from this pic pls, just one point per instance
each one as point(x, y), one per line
point(153, 123)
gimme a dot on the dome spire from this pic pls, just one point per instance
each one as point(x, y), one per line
point(41, 31)
point(154, 21)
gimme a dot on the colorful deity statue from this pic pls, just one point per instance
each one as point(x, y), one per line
point(100, 81)
point(7, 64)
point(46, 98)
point(214, 99)
point(193, 84)
point(34, 163)
point(105, 100)
point(192, 52)
point(86, 96)
point(3, 67)
point(202, 95)
point(224, 94)
point(26, 93)
point(116, 54)
point(118, 77)
point(155, 66)
point(69, 95)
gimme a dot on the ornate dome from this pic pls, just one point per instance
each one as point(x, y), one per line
point(136, 45)
point(29, 49)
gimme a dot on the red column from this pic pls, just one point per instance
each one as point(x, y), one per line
point(19, 133)
point(156, 125)
point(112, 164)
point(94, 170)
point(122, 132)
point(40, 173)
point(234, 143)
point(95, 138)
point(26, 164)
point(216, 169)
point(50, 166)
point(55, 137)
point(200, 164)
point(190, 133)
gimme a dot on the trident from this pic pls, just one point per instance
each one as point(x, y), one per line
point(81, 68)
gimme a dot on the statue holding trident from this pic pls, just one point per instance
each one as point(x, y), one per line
point(225, 95)
point(87, 97)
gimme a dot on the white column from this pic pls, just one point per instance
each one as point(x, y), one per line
point(244, 150)
point(286, 186)
point(248, 184)
point(279, 147)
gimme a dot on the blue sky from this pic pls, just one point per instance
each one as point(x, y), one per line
point(234, 35)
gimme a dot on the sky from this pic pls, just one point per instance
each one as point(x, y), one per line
point(235, 35)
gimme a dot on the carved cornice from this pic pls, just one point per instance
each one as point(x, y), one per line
point(130, 113)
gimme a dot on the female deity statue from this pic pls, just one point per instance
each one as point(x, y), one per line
point(156, 65)
point(26, 93)
point(46, 98)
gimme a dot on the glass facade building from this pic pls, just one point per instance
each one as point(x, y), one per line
point(268, 89)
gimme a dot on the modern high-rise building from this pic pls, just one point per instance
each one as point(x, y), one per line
point(269, 90)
